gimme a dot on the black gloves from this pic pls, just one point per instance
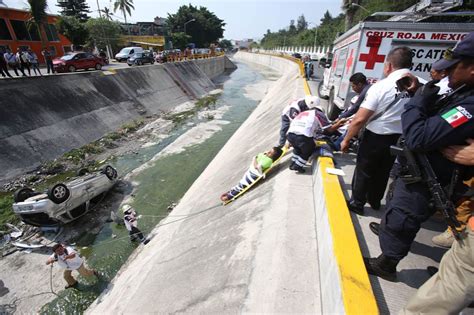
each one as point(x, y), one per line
point(427, 95)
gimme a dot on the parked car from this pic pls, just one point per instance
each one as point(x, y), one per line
point(141, 58)
point(127, 52)
point(77, 60)
point(64, 202)
point(296, 55)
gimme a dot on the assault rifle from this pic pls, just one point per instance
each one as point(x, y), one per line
point(418, 169)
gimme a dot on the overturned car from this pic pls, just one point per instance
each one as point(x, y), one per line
point(64, 202)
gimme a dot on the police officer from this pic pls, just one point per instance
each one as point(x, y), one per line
point(380, 113)
point(291, 111)
point(428, 130)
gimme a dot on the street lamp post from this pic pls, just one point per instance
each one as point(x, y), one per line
point(184, 26)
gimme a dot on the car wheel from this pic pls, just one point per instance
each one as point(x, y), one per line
point(82, 172)
point(320, 87)
point(22, 194)
point(110, 172)
point(58, 193)
point(139, 63)
point(71, 69)
point(153, 61)
point(333, 110)
point(98, 66)
point(129, 64)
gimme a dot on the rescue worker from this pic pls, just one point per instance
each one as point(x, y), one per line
point(304, 130)
point(380, 113)
point(360, 86)
point(130, 218)
point(429, 130)
point(291, 111)
point(69, 259)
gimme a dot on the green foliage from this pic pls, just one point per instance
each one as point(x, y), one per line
point(74, 8)
point(106, 13)
point(37, 11)
point(225, 44)
point(301, 23)
point(206, 29)
point(72, 28)
point(125, 6)
point(6, 211)
point(103, 32)
point(180, 40)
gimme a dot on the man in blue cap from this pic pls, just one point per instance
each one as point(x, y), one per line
point(430, 123)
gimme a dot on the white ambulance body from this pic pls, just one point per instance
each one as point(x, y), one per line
point(365, 47)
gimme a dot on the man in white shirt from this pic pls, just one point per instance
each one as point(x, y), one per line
point(69, 259)
point(380, 113)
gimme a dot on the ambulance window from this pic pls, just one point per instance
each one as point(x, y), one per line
point(341, 63)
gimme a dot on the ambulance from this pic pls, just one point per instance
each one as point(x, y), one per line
point(365, 47)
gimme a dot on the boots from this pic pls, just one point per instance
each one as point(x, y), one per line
point(445, 239)
point(383, 267)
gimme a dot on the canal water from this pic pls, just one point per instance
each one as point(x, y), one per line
point(161, 173)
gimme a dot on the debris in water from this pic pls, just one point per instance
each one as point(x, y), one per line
point(171, 206)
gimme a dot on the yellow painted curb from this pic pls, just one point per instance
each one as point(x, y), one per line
point(356, 289)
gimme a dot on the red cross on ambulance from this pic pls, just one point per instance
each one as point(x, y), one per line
point(373, 57)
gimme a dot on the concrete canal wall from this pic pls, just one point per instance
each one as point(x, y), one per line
point(42, 118)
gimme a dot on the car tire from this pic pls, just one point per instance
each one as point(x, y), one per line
point(98, 66)
point(110, 172)
point(153, 61)
point(82, 172)
point(58, 193)
point(71, 69)
point(333, 110)
point(129, 64)
point(22, 194)
point(320, 87)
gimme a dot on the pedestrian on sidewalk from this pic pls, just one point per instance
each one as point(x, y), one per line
point(22, 57)
point(48, 58)
point(69, 259)
point(12, 62)
point(33, 60)
point(130, 218)
point(3, 65)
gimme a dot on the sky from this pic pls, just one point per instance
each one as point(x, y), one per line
point(244, 19)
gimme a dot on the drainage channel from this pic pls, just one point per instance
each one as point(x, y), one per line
point(161, 173)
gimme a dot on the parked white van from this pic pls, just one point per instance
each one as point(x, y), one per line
point(127, 52)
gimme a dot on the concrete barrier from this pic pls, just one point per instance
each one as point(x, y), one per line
point(42, 118)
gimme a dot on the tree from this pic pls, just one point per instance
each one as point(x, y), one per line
point(292, 29)
point(75, 8)
point(225, 44)
point(180, 40)
point(72, 28)
point(107, 13)
point(301, 23)
point(206, 29)
point(103, 32)
point(125, 6)
point(37, 12)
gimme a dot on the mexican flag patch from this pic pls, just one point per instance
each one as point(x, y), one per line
point(455, 117)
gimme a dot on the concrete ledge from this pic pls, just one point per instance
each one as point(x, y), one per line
point(345, 285)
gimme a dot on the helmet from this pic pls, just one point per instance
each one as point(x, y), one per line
point(126, 207)
point(311, 101)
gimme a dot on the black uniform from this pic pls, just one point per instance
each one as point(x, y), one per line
point(428, 133)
